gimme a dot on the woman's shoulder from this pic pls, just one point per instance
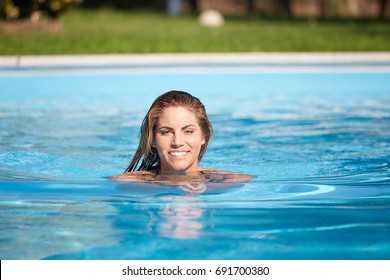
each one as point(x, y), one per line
point(215, 175)
point(134, 176)
point(208, 176)
point(213, 171)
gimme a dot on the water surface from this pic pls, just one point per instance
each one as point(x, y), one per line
point(317, 142)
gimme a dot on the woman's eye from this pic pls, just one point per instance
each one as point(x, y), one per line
point(164, 132)
point(188, 131)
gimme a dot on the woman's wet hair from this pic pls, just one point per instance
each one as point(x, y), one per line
point(146, 156)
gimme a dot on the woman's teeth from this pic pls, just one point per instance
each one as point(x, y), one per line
point(178, 154)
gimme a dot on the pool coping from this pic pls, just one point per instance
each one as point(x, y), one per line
point(190, 62)
point(192, 58)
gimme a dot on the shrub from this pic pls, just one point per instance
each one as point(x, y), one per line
point(8, 10)
point(20, 9)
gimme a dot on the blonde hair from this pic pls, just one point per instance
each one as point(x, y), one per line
point(146, 156)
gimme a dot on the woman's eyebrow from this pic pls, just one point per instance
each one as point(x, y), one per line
point(188, 126)
point(170, 128)
point(165, 127)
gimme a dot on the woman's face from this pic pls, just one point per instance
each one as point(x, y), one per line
point(178, 139)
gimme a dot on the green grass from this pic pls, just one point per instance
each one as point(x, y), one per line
point(107, 31)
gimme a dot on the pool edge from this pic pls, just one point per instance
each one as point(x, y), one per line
point(191, 58)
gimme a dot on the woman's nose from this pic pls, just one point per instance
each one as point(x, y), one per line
point(177, 140)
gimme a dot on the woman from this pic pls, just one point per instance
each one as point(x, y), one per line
point(175, 135)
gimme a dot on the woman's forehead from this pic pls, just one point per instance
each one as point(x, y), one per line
point(177, 116)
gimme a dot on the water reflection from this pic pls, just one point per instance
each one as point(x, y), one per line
point(176, 212)
point(181, 217)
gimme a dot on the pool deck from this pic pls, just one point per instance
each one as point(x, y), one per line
point(362, 61)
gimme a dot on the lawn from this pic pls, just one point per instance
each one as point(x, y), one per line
point(108, 31)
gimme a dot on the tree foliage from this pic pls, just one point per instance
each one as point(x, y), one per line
point(21, 9)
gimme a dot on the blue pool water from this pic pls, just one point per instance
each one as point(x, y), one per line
point(317, 142)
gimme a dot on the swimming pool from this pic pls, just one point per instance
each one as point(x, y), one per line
point(317, 140)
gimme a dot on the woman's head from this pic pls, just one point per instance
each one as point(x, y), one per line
point(175, 133)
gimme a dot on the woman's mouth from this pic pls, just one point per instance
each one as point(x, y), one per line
point(178, 153)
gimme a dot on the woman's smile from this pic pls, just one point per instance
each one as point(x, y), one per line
point(178, 154)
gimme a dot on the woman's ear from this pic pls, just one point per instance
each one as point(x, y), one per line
point(203, 139)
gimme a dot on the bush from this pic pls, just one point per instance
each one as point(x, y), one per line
point(8, 9)
point(20, 9)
